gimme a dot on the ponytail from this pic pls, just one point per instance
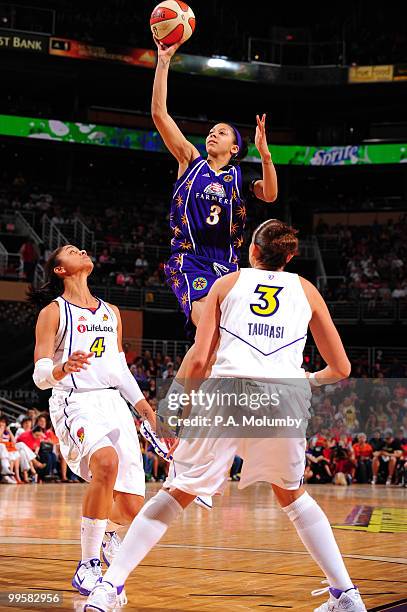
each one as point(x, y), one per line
point(52, 287)
point(276, 241)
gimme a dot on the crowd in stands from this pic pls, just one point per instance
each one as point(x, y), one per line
point(357, 430)
point(132, 243)
point(371, 260)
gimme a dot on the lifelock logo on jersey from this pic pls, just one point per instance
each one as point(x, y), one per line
point(94, 328)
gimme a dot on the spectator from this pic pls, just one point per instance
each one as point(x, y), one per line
point(25, 425)
point(30, 255)
point(169, 372)
point(7, 439)
point(376, 442)
point(389, 454)
point(363, 455)
point(318, 465)
point(129, 354)
point(7, 476)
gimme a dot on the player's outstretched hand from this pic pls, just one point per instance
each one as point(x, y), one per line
point(260, 139)
point(165, 52)
point(77, 362)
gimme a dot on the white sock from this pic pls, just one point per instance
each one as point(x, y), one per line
point(317, 536)
point(146, 530)
point(92, 532)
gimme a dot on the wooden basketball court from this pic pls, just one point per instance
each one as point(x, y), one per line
point(242, 555)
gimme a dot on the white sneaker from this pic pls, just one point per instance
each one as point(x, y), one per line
point(86, 576)
point(103, 598)
point(110, 545)
point(388, 482)
point(8, 479)
point(205, 501)
point(350, 601)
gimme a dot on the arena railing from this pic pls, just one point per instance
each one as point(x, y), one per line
point(155, 251)
point(77, 233)
point(349, 311)
point(293, 53)
point(10, 409)
point(52, 235)
point(3, 259)
point(13, 266)
point(367, 356)
point(171, 348)
point(26, 228)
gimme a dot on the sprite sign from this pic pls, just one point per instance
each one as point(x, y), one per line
point(145, 140)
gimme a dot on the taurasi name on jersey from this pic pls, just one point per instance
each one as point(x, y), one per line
point(94, 328)
point(263, 329)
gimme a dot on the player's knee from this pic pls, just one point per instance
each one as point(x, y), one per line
point(104, 465)
point(287, 496)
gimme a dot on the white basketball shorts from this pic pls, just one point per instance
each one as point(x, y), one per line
point(202, 466)
point(86, 421)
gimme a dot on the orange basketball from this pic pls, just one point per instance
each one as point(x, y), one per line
point(172, 21)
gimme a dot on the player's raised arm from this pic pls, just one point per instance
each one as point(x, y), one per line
point(174, 140)
point(128, 386)
point(265, 189)
point(327, 339)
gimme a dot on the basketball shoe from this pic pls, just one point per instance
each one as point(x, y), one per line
point(103, 598)
point(110, 545)
point(339, 601)
point(86, 576)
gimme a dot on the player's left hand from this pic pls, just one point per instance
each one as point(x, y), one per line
point(260, 139)
point(172, 444)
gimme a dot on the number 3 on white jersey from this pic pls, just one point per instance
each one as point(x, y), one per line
point(213, 218)
point(270, 305)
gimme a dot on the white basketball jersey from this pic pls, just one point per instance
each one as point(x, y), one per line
point(263, 327)
point(82, 329)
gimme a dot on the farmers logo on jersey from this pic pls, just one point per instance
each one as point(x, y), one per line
point(94, 328)
point(81, 434)
point(228, 178)
point(216, 189)
point(200, 283)
point(105, 317)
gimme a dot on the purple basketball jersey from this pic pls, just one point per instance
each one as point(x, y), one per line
point(208, 214)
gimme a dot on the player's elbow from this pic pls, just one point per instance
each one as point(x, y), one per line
point(158, 114)
point(270, 195)
point(344, 370)
point(197, 365)
point(270, 198)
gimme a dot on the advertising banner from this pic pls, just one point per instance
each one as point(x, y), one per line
point(148, 140)
point(17, 41)
point(370, 74)
point(66, 47)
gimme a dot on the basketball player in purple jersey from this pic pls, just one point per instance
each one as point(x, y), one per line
point(208, 212)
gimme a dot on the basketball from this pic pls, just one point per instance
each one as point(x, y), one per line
point(172, 21)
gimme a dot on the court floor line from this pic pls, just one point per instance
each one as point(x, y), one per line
point(210, 569)
point(399, 560)
point(22, 540)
